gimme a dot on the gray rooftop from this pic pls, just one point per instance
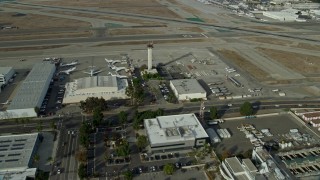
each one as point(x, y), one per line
point(97, 81)
point(33, 87)
point(234, 164)
point(16, 150)
point(187, 86)
point(248, 163)
point(175, 128)
point(5, 70)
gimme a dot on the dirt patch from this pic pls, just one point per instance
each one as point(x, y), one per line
point(132, 31)
point(145, 7)
point(301, 63)
point(155, 42)
point(31, 48)
point(19, 7)
point(118, 18)
point(266, 28)
point(269, 40)
point(192, 29)
point(35, 21)
point(45, 36)
point(244, 64)
point(307, 46)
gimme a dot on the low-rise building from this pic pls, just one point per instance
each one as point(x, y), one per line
point(107, 87)
point(187, 89)
point(31, 92)
point(176, 132)
point(233, 169)
point(17, 151)
point(6, 73)
point(311, 116)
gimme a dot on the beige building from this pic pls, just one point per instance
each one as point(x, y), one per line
point(107, 87)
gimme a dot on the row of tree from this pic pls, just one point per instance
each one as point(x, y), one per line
point(140, 116)
point(135, 92)
point(93, 103)
point(246, 109)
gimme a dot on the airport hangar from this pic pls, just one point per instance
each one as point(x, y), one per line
point(6, 73)
point(16, 155)
point(31, 92)
point(107, 87)
point(186, 89)
point(176, 132)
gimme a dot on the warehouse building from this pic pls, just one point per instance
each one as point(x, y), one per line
point(176, 132)
point(107, 87)
point(16, 155)
point(6, 73)
point(187, 89)
point(31, 92)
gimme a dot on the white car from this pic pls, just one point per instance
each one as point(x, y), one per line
point(58, 171)
point(229, 105)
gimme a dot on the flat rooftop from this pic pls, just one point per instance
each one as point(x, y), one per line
point(97, 81)
point(16, 150)
point(31, 89)
point(175, 128)
point(234, 164)
point(5, 70)
point(187, 86)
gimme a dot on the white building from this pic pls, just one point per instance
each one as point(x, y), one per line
point(233, 169)
point(186, 89)
point(175, 132)
point(6, 73)
point(108, 87)
point(16, 156)
point(31, 92)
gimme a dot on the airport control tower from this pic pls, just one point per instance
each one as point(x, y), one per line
point(150, 47)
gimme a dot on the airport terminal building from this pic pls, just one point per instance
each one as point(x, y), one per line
point(186, 89)
point(31, 92)
point(176, 132)
point(108, 87)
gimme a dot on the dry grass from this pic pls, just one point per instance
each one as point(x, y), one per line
point(269, 40)
point(302, 63)
point(19, 7)
point(308, 46)
point(132, 31)
point(155, 42)
point(50, 35)
point(145, 7)
point(31, 48)
point(118, 18)
point(266, 28)
point(192, 29)
point(33, 21)
point(244, 64)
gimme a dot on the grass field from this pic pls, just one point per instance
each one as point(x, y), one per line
point(132, 31)
point(244, 64)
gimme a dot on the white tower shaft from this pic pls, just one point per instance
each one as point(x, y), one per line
point(149, 58)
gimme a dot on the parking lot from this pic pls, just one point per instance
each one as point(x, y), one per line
point(278, 125)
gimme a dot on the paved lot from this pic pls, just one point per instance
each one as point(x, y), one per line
point(178, 175)
point(278, 125)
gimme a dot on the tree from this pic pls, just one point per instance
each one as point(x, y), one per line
point(81, 155)
point(39, 127)
point(123, 148)
point(82, 171)
point(168, 169)
point(143, 67)
point(128, 175)
point(36, 159)
point(84, 133)
point(123, 117)
point(52, 125)
point(213, 113)
point(129, 92)
point(37, 109)
point(91, 103)
point(142, 142)
point(246, 109)
point(225, 154)
point(97, 117)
